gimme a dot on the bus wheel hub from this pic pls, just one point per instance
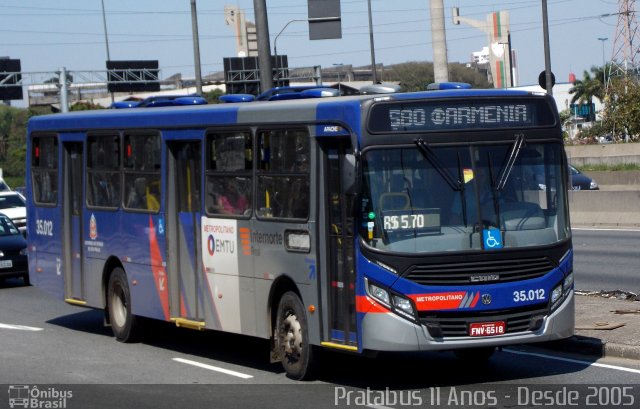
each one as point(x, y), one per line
point(292, 336)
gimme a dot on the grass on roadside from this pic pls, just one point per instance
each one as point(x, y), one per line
point(604, 167)
point(14, 181)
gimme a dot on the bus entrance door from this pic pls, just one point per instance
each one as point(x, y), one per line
point(72, 223)
point(341, 260)
point(183, 234)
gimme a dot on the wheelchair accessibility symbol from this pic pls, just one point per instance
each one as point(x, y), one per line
point(492, 239)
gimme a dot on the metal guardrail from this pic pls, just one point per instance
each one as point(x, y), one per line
point(141, 75)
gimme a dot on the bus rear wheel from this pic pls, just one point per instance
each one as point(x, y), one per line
point(292, 338)
point(123, 323)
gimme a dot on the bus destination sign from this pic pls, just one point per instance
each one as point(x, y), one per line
point(457, 115)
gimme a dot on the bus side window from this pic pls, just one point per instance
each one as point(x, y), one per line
point(103, 171)
point(283, 174)
point(229, 167)
point(44, 167)
point(142, 171)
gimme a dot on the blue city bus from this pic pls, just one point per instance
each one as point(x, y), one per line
point(403, 222)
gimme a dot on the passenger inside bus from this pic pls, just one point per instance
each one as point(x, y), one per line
point(140, 197)
point(230, 200)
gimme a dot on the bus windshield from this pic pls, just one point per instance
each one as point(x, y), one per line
point(437, 198)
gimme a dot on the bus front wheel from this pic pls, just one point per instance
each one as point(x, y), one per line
point(123, 323)
point(292, 337)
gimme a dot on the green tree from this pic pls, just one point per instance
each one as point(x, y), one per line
point(84, 106)
point(213, 96)
point(588, 87)
point(13, 131)
point(621, 115)
point(414, 75)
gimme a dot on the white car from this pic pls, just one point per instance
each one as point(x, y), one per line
point(13, 205)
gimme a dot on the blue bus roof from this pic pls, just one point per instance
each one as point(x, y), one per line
point(196, 116)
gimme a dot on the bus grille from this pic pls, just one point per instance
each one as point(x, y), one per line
point(480, 272)
point(455, 324)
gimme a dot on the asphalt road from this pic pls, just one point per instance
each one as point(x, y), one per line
point(61, 349)
point(607, 260)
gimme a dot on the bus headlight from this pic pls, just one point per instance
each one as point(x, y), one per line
point(378, 293)
point(403, 307)
point(568, 282)
point(395, 302)
point(556, 294)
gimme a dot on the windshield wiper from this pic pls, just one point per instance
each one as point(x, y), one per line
point(513, 155)
point(494, 193)
point(456, 183)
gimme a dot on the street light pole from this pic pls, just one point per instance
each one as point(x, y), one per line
point(275, 40)
point(604, 62)
point(603, 39)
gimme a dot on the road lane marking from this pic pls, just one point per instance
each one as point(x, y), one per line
point(596, 229)
point(19, 327)
point(574, 361)
point(213, 368)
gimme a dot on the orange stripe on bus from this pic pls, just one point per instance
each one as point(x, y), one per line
point(366, 304)
point(159, 272)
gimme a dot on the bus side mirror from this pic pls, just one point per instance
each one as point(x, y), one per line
point(349, 185)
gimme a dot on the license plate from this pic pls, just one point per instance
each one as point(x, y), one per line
point(487, 329)
point(6, 264)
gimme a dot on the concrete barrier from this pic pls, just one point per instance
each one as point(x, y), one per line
point(619, 178)
point(605, 154)
point(599, 208)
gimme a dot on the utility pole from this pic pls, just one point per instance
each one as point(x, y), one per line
point(439, 41)
point(196, 47)
point(374, 74)
point(63, 85)
point(106, 40)
point(547, 51)
point(264, 46)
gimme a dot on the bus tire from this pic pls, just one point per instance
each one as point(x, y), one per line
point(292, 338)
point(123, 323)
point(475, 355)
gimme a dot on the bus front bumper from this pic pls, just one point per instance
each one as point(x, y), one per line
point(390, 332)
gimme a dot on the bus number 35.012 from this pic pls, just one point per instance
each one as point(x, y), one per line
point(531, 295)
point(44, 227)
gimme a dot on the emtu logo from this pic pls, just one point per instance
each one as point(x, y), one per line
point(211, 245)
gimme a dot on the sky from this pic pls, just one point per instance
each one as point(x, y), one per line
point(47, 35)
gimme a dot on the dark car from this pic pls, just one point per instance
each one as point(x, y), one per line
point(13, 251)
point(580, 181)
